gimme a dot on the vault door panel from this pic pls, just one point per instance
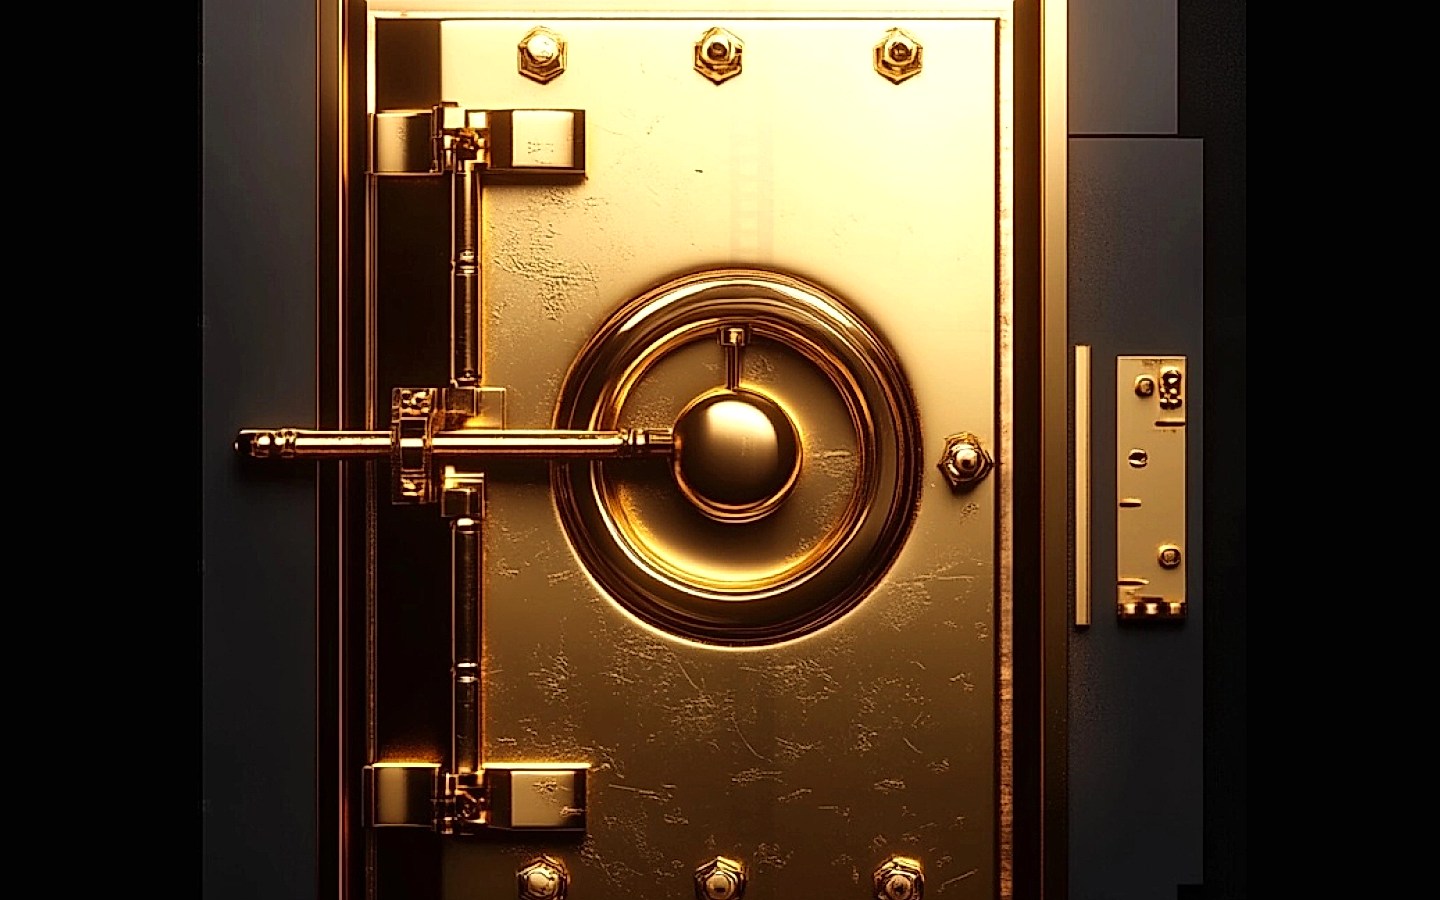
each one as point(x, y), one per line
point(807, 686)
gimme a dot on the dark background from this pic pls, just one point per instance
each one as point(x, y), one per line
point(257, 568)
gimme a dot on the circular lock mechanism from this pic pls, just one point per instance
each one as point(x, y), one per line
point(737, 455)
point(795, 469)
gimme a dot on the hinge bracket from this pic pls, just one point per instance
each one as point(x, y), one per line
point(547, 798)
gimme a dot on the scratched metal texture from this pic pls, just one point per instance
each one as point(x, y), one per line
point(814, 760)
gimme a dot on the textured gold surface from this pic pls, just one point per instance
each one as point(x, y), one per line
point(812, 760)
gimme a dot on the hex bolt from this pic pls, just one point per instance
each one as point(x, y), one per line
point(964, 462)
point(900, 878)
point(898, 55)
point(1169, 556)
point(718, 55)
point(1144, 386)
point(720, 879)
point(542, 55)
point(544, 878)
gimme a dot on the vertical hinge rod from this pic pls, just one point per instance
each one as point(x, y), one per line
point(465, 288)
point(466, 605)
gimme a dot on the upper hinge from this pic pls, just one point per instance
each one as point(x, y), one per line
point(533, 797)
point(510, 144)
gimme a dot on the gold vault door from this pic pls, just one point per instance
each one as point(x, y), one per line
point(699, 531)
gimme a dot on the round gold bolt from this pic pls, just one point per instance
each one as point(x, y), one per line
point(900, 878)
point(720, 879)
point(541, 55)
point(1169, 556)
point(542, 48)
point(544, 878)
point(898, 56)
point(718, 55)
point(1144, 386)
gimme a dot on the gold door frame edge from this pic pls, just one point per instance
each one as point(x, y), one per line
point(333, 202)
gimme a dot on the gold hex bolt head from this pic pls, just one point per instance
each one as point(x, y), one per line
point(1169, 556)
point(1144, 386)
point(541, 55)
point(543, 879)
point(720, 879)
point(964, 462)
point(717, 55)
point(898, 55)
point(900, 878)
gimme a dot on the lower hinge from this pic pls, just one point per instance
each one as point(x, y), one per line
point(531, 797)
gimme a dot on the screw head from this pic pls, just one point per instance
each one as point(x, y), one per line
point(542, 48)
point(1144, 386)
point(720, 879)
point(900, 878)
point(718, 55)
point(1169, 556)
point(963, 461)
point(542, 55)
point(543, 879)
point(898, 55)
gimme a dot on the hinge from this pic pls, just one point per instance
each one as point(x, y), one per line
point(509, 144)
point(523, 797)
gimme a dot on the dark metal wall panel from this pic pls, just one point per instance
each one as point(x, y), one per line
point(258, 786)
point(1136, 285)
point(1123, 74)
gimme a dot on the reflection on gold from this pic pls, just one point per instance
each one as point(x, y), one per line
point(737, 455)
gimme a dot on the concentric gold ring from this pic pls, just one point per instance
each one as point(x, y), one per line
point(776, 553)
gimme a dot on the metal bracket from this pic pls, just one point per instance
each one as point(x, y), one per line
point(530, 797)
point(417, 415)
point(1150, 488)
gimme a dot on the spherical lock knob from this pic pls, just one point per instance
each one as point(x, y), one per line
point(900, 878)
point(720, 879)
point(543, 879)
point(964, 462)
point(737, 455)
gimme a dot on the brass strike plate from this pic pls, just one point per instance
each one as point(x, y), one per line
point(1150, 414)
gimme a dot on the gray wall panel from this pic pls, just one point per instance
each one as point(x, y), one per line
point(258, 542)
point(1136, 692)
point(1123, 72)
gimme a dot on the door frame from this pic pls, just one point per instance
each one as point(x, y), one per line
point(1044, 493)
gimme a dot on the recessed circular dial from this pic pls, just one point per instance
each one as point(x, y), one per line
point(796, 465)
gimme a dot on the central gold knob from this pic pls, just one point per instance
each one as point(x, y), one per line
point(737, 455)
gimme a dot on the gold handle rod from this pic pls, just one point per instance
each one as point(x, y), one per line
point(467, 443)
point(553, 444)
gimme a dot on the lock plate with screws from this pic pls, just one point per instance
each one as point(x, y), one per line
point(1150, 486)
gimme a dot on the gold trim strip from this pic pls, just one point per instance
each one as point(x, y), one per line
point(1054, 457)
point(1082, 485)
point(1005, 496)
